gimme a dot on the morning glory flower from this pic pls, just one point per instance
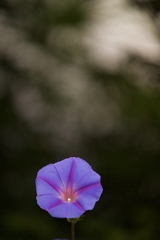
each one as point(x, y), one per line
point(68, 188)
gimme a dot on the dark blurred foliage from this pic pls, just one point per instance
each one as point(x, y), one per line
point(57, 101)
point(150, 5)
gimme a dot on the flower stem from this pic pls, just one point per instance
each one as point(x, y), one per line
point(73, 230)
point(73, 221)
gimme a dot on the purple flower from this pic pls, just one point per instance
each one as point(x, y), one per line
point(68, 188)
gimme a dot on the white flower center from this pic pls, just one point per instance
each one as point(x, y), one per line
point(68, 199)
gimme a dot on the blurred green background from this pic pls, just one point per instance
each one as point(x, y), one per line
point(81, 78)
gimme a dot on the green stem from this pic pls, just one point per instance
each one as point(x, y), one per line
point(73, 230)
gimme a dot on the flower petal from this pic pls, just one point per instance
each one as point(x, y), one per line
point(64, 169)
point(49, 174)
point(80, 168)
point(71, 170)
point(88, 196)
point(43, 187)
point(48, 201)
point(90, 178)
point(66, 210)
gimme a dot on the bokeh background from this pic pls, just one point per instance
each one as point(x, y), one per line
point(81, 78)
